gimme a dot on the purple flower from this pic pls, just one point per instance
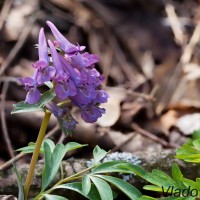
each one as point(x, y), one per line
point(44, 71)
point(65, 45)
point(64, 86)
point(101, 97)
point(90, 113)
point(91, 76)
point(33, 94)
point(63, 115)
point(73, 76)
point(84, 60)
point(85, 95)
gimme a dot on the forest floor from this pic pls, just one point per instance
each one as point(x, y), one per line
point(149, 55)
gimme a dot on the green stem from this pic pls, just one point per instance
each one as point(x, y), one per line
point(36, 153)
point(68, 179)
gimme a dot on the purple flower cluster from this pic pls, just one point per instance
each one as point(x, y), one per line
point(73, 75)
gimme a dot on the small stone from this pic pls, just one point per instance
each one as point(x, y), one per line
point(7, 197)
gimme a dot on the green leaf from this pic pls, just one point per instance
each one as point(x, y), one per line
point(194, 158)
point(196, 143)
point(98, 154)
point(103, 188)
point(77, 187)
point(159, 178)
point(53, 197)
point(28, 149)
point(119, 166)
point(153, 188)
point(53, 156)
point(189, 153)
point(134, 169)
point(23, 107)
point(178, 198)
point(86, 184)
point(196, 135)
point(50, 143)
point(73, 145)
point(45, 98)
point(192, 184)
point(146, 198)
point(177, 176)
point(19, 183)
point(187, 149)
point(31, 146)
point(129, 190)
point(52, 163)
point(46, 178)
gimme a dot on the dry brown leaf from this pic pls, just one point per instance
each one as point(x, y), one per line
point(188, 123)
point(112, 107)
point(17, 19)
point(192, 71)
point(169, 119)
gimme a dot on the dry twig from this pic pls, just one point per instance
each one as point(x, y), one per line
point(176, 75)
point(150, 135)
point(21, 155)
point(175, 24)
point(5, 11)
point(23, 36)
point(3, 120)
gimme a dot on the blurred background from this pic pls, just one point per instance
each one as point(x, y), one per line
point(149, 54)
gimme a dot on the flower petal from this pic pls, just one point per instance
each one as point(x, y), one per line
point(64, 43)
point(42, 47)
point(45, 75)
point(90, 114)
point(33, 96)
point(65, 89)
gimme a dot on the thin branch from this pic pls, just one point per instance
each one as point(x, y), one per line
point(3, 120)
point(15, 50)
point(11, 161)
point(145, 133)
point(176, 75)
point(5, 11)
point(175, 24)
point(21, 155)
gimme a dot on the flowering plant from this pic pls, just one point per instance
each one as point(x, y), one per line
point(70, 75)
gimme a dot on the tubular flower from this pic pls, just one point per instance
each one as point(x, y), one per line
point(73, 75)
point(62, 115)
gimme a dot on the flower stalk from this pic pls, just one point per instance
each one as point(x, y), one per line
point(36, 153)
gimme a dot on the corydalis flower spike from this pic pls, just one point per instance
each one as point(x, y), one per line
point(65, 45)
